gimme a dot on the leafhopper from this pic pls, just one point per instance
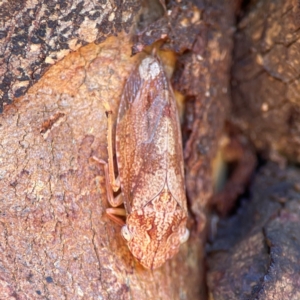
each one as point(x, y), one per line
point(150, 167)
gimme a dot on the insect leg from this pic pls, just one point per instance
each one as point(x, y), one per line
point(115, 184)
point(113, 201)
point(112, 213)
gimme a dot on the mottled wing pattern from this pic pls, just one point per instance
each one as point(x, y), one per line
point(142, 128)
point(150, 164)
point(156, 230)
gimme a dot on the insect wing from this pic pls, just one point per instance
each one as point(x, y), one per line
point(142, 134)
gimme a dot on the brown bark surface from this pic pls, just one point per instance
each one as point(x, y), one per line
point(36, 34)
point(256, 252)
point(56, 241)
point(266, 84)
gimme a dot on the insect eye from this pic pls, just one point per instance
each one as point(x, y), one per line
point(126, 233)
point(185, 236)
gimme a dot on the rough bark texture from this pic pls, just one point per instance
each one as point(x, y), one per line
point(56, 241)
point(36, 34)
point(256, 253)
point(207, 100)
point(265, 79)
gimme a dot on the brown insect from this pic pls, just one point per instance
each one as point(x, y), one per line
point(150, 166)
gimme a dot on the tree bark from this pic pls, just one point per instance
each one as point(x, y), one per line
point(56, 241)
point(35, 35)
point(266, 85)
point(256, 252)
